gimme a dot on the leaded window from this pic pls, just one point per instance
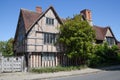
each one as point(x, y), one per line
point(49, 21)
point(49, 38)
point(110, 41)
point(48, 56)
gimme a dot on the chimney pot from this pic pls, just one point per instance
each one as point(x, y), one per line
point(39, 9)
point(87, 14)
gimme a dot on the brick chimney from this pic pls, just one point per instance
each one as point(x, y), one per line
point(39, 9)
point(87, 15)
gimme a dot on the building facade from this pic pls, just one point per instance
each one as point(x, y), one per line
point(36, 36)
point(37, 33)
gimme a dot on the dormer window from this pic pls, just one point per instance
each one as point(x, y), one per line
point(110, 41)
point(49, 21)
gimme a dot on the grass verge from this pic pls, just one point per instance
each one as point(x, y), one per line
point(57, 69)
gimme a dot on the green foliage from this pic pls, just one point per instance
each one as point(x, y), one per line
point(104, 55)
point(77, 36)
point(3, 47)
point(6, 47)
point(57, 69)
point(118, 57)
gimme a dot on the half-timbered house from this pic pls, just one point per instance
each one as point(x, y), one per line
point(36, 36)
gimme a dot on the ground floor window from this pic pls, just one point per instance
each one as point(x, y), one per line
point(48, 56)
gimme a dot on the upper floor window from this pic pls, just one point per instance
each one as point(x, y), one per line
point(49, 38)
point(110, 41)
point(49, 21)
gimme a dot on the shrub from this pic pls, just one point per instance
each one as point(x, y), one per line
point(104, 55)
point(57, 69)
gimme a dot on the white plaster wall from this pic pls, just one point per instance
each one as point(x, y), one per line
point(109, 33)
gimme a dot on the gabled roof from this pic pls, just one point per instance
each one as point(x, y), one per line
point(100, 32)
point(30, 18)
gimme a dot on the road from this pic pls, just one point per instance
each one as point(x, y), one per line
point(103, 75)
point(106, 73)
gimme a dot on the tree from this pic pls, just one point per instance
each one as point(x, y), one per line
point(104, 55)
point(3, 47)
point(9, 47)
point(6, 47)
point(78, 37)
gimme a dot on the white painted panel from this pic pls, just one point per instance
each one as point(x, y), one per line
point(109, 33)
point(39, 41)
point(40, 60)
point(34, 61)
point(31, 61)
point(36, 28)
point(50, 14)
point(43, 64)
point(31, 34)
point(56, 61)
point(38, 48)
point(49, 48)
point(39, 35)
point(31, 41)
point(30, 48)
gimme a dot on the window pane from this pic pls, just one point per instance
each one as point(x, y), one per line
point(44, 38)
point(43, 57)
point(47, 56)
point(53, 57)
point(110, 40)
point(52, 21)
point(51, 38)
point(50, 56)
point(46, 20)
point(47, 38)
point(49, 21)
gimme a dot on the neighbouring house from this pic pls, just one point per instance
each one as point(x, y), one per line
point(103, 34)
point(37, 32)
point(118, 44)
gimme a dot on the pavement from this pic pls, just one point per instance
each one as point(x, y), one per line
point(45, 76)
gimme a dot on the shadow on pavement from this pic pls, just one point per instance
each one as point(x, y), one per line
point(110, 68)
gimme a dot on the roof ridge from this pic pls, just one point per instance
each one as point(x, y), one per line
point(29, 10)
point(100, 26)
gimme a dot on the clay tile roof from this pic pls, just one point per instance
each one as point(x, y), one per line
point(100, 32)
point(29, 17)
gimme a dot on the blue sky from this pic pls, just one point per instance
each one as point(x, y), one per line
point(104, 12)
